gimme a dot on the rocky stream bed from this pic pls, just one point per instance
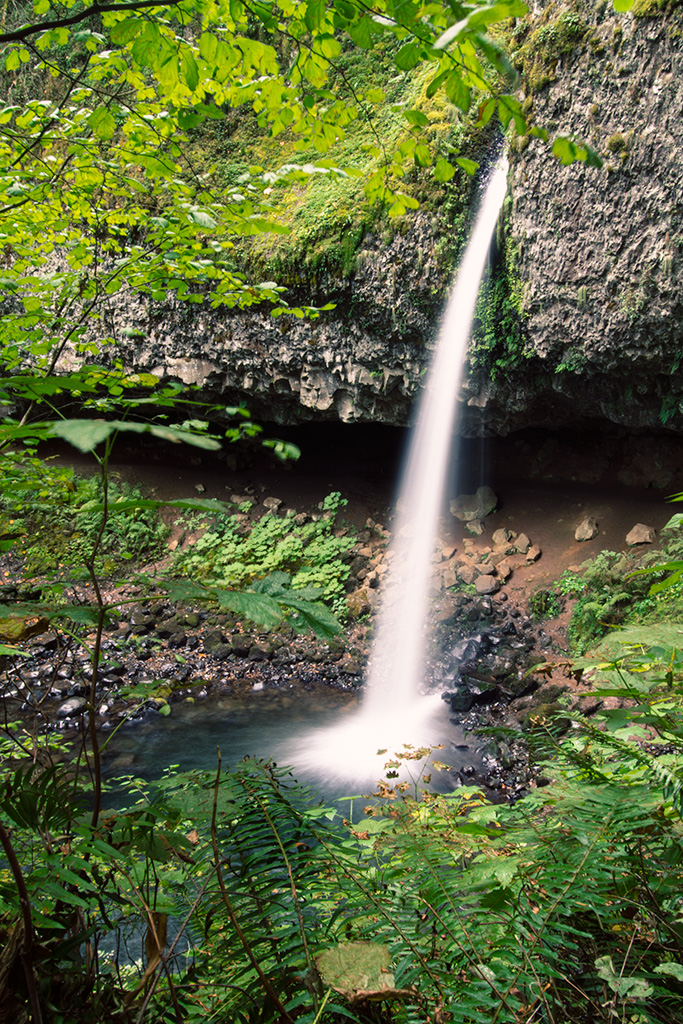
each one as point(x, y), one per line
point(159, 656)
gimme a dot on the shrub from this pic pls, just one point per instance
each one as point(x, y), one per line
point(544, 604)
point(50, 516)
point(233, 553)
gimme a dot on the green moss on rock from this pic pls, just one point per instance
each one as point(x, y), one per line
point(557, 34)
point(653, 8)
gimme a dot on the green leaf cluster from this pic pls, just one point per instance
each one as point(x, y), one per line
point(50, 517)
point(619, 589)
point(233, 552)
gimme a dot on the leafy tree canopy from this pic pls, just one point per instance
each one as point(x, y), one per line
point(97, 190)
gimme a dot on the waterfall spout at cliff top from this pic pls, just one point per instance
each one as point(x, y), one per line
point(393, 711)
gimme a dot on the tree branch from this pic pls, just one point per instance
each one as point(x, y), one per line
point(90, 12)
point(26, 954)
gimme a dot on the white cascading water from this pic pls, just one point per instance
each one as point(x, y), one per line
point(394, 711)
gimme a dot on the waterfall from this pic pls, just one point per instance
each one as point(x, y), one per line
point(402, 629)
point(394, 711)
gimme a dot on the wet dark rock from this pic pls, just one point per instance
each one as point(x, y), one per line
point(462, 701)
point(50, 641)
point(169, 628)
point(114, 669)
point(240, 647)
point(221, 652)
point(259, 652)
point(212, 639)
point(71, 707)
point(140, 629)
point(140, 618)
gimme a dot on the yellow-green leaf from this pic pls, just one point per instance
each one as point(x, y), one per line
point(443, 170)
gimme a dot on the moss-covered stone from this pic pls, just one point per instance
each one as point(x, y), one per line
point(653, 8)
point(557, 32)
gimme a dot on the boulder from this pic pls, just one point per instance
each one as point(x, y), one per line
point(449, 576)
point(486, 568)
point(467, 573)
point(522, 544)
point(72, 706)
point(259, 652)
point(358, 604)
point(504, 570)
point(468, 507)
point(641, 534)
point(587, 529)
point(486, 585)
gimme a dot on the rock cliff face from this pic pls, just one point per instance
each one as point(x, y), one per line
point(360, 362)
point(596, 257)
point(599, 253)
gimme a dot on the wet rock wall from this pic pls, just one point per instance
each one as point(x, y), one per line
point(595, 257)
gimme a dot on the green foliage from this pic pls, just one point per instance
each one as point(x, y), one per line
point(107, 180)
point(101, 189)
point(100, 196)
point(617, 143)
point(574, 362)
point(239, 896)
point(544, 604)
point(653, 8)
point(498, 339)
point(618, 589)
point(488, 912)
point(605, 600)
point(555, 36)
point(570, 584)
point(51, 517)
point(232, 552)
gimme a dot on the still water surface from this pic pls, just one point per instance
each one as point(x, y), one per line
point(287, 728)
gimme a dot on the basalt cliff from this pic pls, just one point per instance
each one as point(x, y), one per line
point(583, 323)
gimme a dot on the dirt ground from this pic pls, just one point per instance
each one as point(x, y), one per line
point(545, 485)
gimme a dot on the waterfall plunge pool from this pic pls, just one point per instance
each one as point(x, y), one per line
point(319, 733)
